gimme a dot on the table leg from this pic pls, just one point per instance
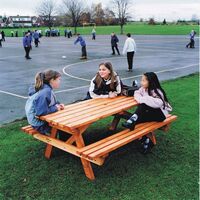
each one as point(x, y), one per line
point(152, 137)
point(125, 115)
point(114, 123)
point(49, 147)
point(86, 164)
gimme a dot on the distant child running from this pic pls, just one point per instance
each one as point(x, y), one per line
point(42, 100)
point(106, 83)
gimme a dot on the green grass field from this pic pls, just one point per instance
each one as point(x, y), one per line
point(169, 172)
point(136, 29)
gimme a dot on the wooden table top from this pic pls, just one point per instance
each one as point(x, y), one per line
point(86, 112)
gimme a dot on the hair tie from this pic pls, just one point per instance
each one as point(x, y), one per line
point(42, 75)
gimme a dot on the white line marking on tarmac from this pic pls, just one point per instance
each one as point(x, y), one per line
point(12, 94)
point(45, 54)
point(71, 89)
point(162, 71)
point(85, 86)
point(88, 80)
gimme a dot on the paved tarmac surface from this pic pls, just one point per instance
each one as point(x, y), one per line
point(165, 55)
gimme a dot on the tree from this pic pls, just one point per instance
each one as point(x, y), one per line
point(47, 10)
point(164, 22)
point(73, 9)
point(109, 17)
point(99, 14)
point(122, 11)
point(151, 21)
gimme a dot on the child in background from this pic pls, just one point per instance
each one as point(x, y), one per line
point(83, 46)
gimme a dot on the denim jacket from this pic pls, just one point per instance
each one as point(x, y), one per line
point(40, 103)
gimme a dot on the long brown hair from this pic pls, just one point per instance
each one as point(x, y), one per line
point(99, 80)
point(44, 77)
point(154, 85)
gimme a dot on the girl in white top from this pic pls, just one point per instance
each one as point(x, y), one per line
point(106, 83)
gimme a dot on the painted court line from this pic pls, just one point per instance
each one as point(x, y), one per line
point(13, 94)
point(85, 86)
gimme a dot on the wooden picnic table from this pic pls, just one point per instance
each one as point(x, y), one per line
point(76, 118)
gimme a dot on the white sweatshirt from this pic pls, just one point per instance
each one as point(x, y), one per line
point(96, 96)
point(129, 45)
point(142, 96)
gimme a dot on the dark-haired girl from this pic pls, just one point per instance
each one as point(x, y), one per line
point(42, 100)
point(106, 83)
point(153, 102)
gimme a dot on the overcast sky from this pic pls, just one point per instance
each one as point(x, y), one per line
point(159, 9)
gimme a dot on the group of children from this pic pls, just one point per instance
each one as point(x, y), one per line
point(129, 47)
point(152, 99)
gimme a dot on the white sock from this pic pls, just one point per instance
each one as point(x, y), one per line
point(133, 118)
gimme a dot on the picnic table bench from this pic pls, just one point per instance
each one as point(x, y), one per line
point(77, 117)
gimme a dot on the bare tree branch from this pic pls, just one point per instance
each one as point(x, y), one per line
point(121, 11)
point(73, 9)
point(47, 10)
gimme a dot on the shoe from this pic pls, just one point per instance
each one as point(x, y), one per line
point(28, 58)
point(130, 124)
point(135, 83)
point(146, 145)
point(83, 58)
point(113, 54)
point(129, 70)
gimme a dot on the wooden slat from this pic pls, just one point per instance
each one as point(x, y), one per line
point(85, 110)
point(29, 129)
point(130, 137)
point(80, 105)
point(65, 147)
point(119, 137)
point(99, 116)
point(96, 144)
point(72, 109)
point(95, 111)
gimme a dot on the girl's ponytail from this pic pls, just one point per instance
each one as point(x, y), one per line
point(39, 81)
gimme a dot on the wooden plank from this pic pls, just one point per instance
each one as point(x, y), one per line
point(29, 130)
point(82, 108)
point(118, 138)
point(110, 138)
point(85, 163)
point(97, 117)
point(88, 113)
point(100, 112)
point(86, 110)
point(49, 147)
point(26, 127)
point(131, 137)
point(79, 105)
point(63, 146)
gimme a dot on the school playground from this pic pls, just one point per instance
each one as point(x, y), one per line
point(165, 55)
point(169, 172)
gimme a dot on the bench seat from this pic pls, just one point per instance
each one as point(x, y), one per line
point(105, 146)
